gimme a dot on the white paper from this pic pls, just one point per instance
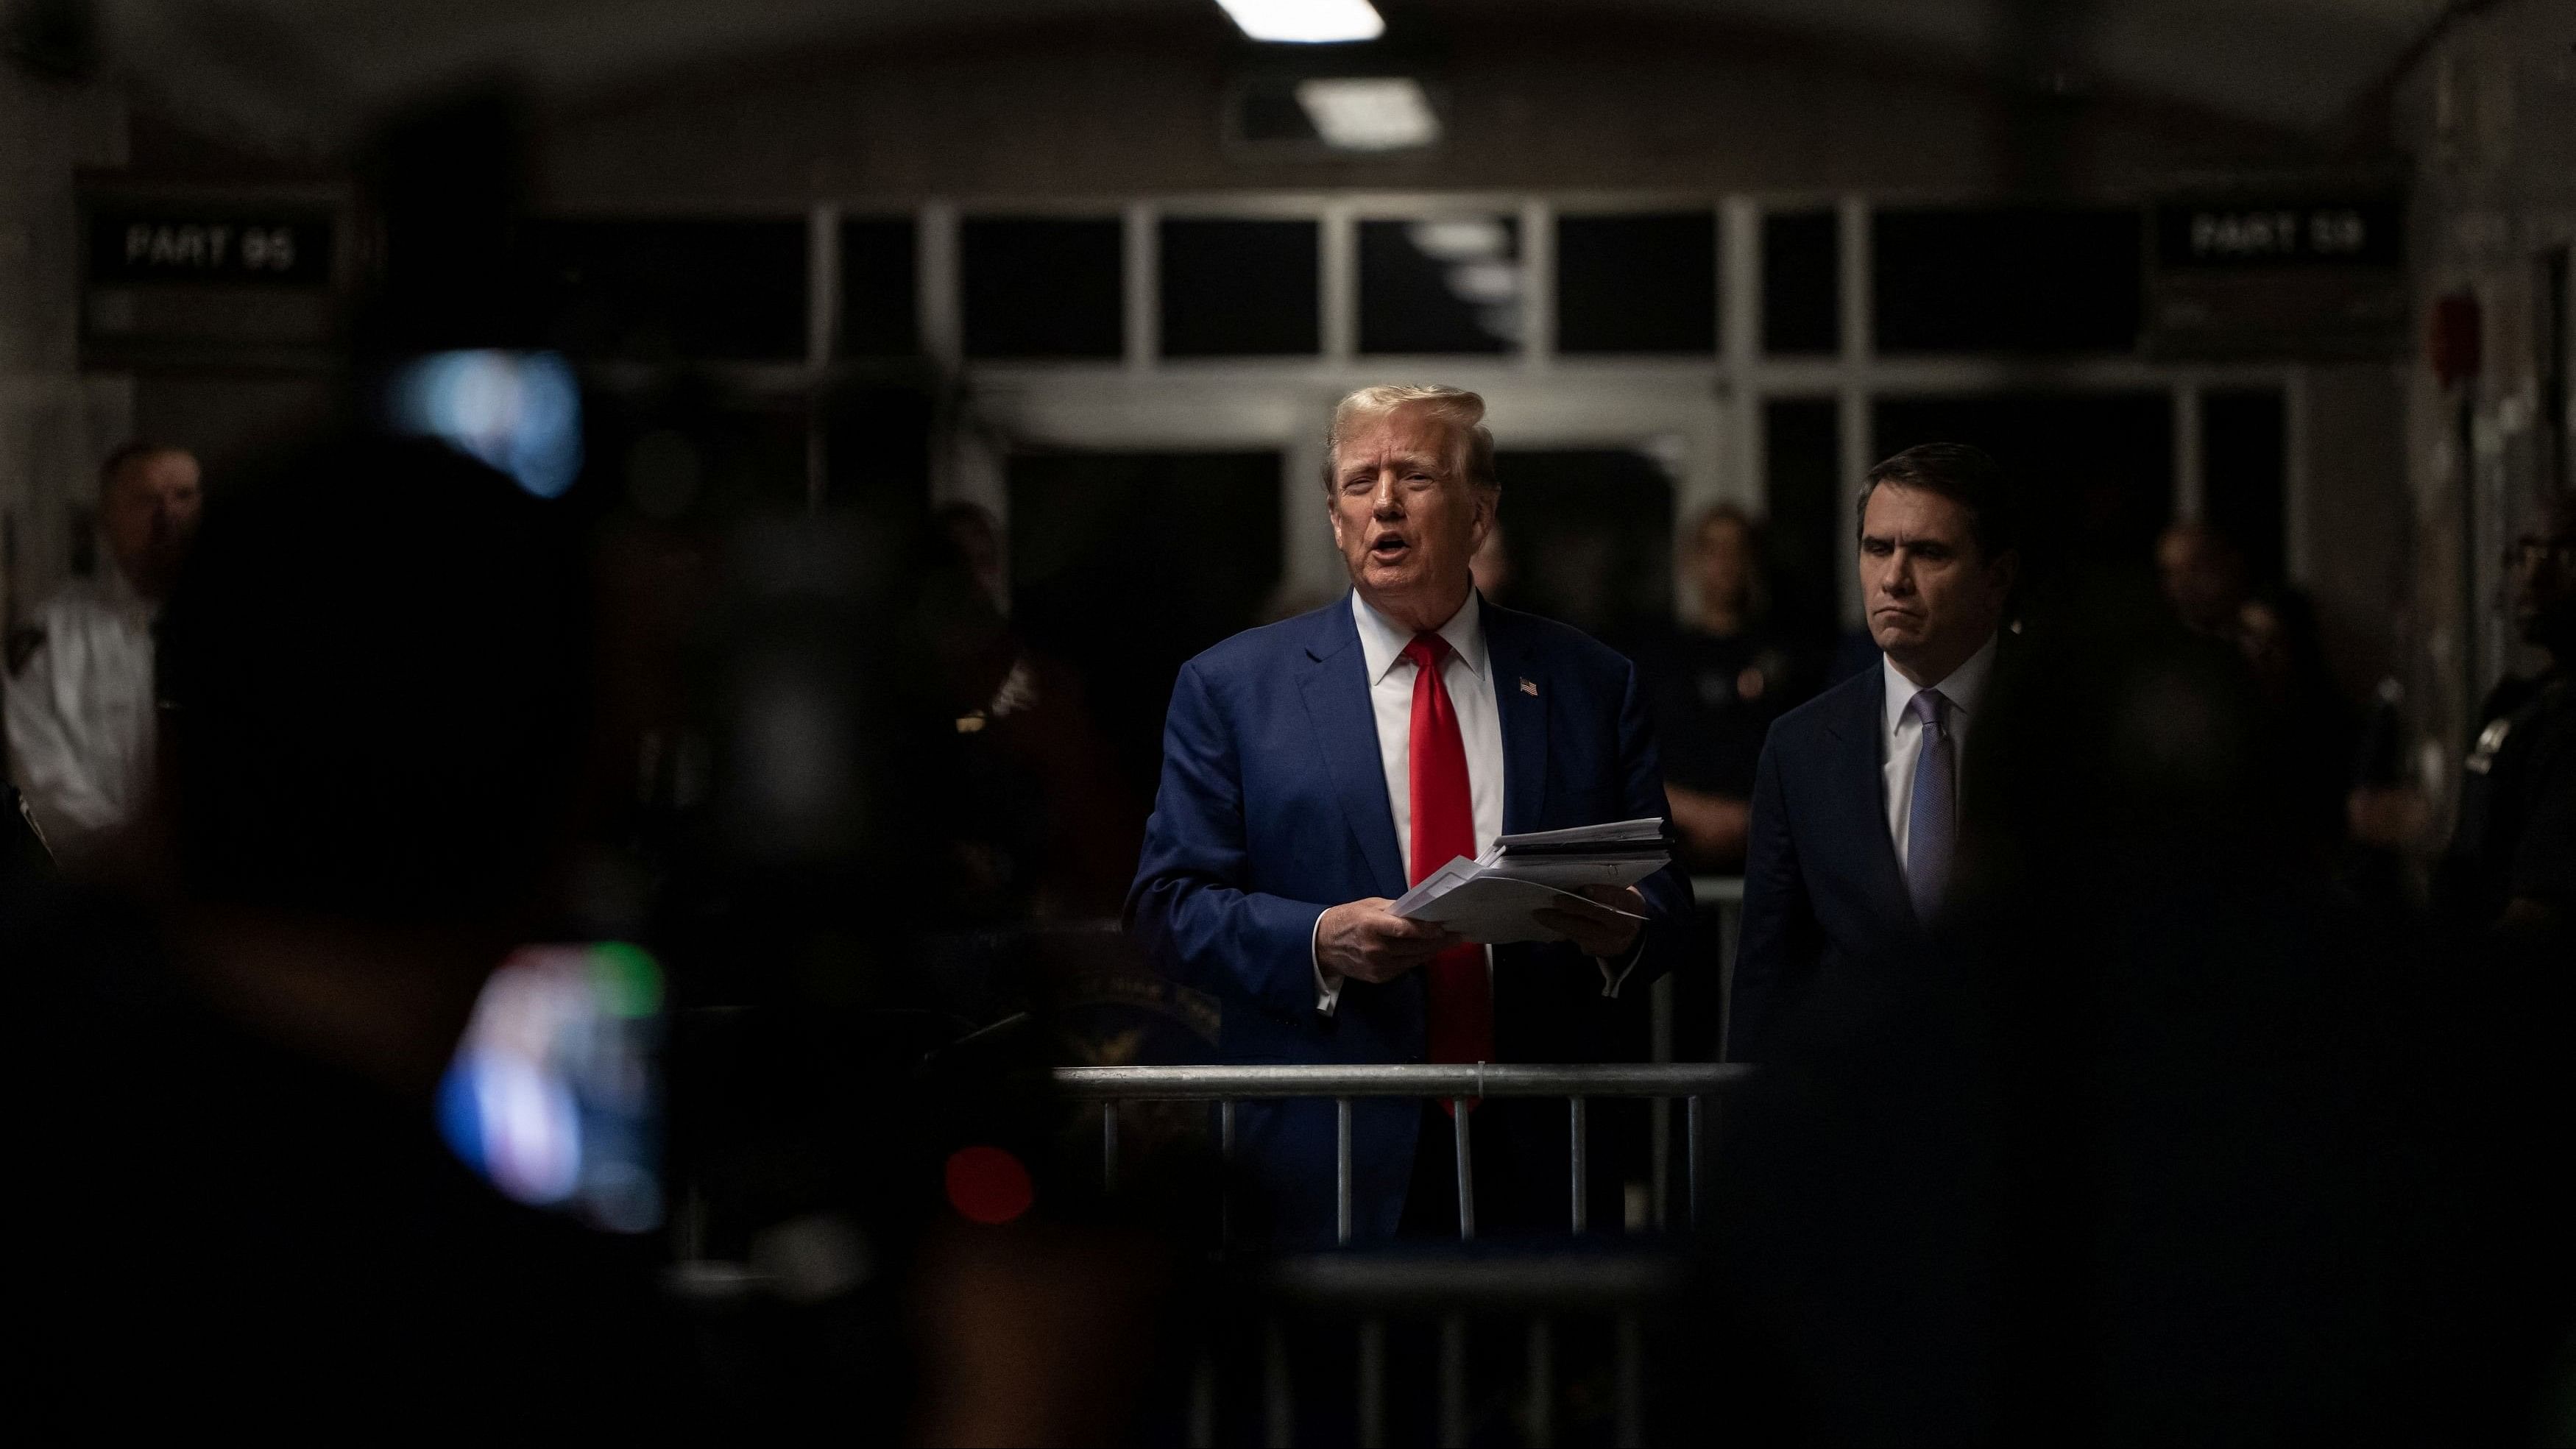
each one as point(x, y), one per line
point(1649, 830)
point(1567, 872)
point(1493, 906)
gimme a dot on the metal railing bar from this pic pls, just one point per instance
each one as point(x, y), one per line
point(1372, 1386)
point(1202, 1433)
point(1542, 1383)
point(1693, 1125)
point(1453, 1377)
point(1466, 1172)
point(1559, 1281)
point(1278, 1415)
point(1580, 1208)
point(1342, 1171)
point(1630, 1394)
point(1409, 1079)
point(1109, 1144)
point(1225, 1154)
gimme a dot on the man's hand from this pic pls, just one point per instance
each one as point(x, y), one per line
point(1596, 925)
point(1366, 941)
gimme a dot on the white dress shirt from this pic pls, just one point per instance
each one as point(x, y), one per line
point(1471, 694)
point(81, 722)
point(1470, 683)
point(1480, 729)
point(1902, 739)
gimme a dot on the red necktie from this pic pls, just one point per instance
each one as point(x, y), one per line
point(1444, 826)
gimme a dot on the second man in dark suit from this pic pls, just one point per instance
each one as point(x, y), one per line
point(1856, 800)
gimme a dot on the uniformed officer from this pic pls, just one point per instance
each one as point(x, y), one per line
point(80, 701)
point(1716, 685)
point(2511, 868)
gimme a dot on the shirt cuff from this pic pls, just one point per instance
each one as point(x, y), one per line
point(1614, 974)
point(1328, 989)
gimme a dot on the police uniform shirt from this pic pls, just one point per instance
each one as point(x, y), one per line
point(2516, 834)
point(80, 709)
point(1715, 696)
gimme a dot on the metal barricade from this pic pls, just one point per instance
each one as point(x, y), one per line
point(1618, 1283)
point(1720, 897)
point(1692, 1082)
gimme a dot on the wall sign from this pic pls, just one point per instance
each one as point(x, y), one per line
point(2297, 234)
point(128, 247)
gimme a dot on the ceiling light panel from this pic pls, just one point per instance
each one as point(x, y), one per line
point(1375, 113)
point(1306, 22)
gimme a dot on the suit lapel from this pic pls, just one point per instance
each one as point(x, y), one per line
point(1509, 663)
point(1336, 687)
point(1857, 778)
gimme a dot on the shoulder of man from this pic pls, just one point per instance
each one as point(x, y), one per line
point(1262, 648)
point(1559, 643)
point(65, 612)
point(2545, 722)
point(1855, 698)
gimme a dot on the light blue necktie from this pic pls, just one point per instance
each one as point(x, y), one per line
point(1932, 818)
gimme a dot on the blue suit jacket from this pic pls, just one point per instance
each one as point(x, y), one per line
point(1273, 807)
point(1823, 891)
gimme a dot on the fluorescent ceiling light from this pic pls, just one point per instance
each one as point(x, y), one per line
point(1306, 22)
point(1384, 113)
point(1460, 239)
point(1488, 282)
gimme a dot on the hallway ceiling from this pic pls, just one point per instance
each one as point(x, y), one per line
point(290, 67)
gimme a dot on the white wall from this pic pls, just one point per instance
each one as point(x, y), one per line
point(55, 424)
point(2489, 118)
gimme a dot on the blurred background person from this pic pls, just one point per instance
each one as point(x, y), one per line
point(1718, 682)
point(2276, 631)
point(1048, 827)
point(79, 704)
point(2510, 871)
point(2202, 573)
point(373, 776)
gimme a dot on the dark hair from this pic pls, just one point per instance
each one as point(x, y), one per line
point(375, 678)
point(1966, 476)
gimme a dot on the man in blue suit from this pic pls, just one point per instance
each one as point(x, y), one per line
point(1856, 798)
point(1315, 768)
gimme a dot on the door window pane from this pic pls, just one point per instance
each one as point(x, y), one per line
point(1450, 284)
point(1802, 271)
point(1802, 539)
point(2244, 448)
point(671, 290)
point(2023, 279)
point(1124, 565)
point(2096, 469)
point(878, 314)
point(1035, 287)
point(1589, 537)
point(1235, 288)
point(1637, 283)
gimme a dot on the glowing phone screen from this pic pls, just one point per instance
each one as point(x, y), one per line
point(552, 1095)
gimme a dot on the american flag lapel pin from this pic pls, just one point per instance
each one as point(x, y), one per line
point(1530, 688)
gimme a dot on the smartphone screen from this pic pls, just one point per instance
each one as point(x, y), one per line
point(518, 411)
point(553, 1095)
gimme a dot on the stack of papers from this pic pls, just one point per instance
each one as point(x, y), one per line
point(1496, 900)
